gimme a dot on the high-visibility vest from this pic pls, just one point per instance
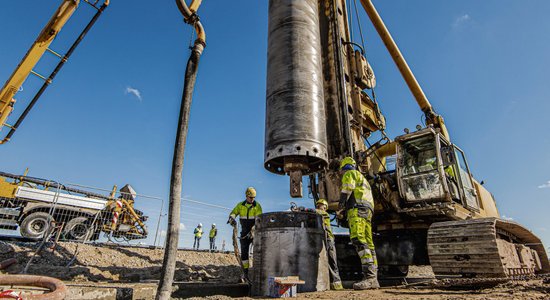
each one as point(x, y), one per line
point(326, 222)
point(247, 214)
point(353, 182)
point(198, 232)
point(213, 232)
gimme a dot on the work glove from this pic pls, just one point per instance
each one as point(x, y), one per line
point(231, 221)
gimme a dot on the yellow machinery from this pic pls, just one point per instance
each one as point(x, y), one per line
point(33, 204)
point(33, 56)
point(428, 209)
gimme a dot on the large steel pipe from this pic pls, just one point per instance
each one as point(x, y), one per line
point(295, 133)
point(289, 244)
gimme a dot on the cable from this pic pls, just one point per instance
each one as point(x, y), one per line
point(376, 155)
point(359, 23)
point(350, 16)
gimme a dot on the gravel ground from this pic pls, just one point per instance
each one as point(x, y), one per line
point(119, 264)
point(132, 264)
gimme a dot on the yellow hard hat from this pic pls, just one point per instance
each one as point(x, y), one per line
point(321, 201)
point(251, 192)
point(347, 161)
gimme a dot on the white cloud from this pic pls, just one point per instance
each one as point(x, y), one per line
point(461, 20)
point(132, 91)
point(545, 186)
point(504, 217)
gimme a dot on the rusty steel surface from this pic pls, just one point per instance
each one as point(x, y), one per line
point(6, 263)
point(58, 289)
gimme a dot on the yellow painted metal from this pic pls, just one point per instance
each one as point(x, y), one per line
point(189, 14)
point(24, 69)
point(408, 76)
point(194, 6)
point(130, 208)
point(7, 189)
point(488, 207)
point(387, 150)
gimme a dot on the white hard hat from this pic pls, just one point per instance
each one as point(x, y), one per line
point(200, 224)
point(213, 224)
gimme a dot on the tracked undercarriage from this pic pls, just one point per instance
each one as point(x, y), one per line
point(487, 247)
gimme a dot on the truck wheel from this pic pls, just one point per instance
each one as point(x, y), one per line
point(34, 225)
point(78, 229)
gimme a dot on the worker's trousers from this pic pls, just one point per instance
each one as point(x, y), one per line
point(197, 242)
point(361, 237)
point(332, 264)
point(213, 243)
point(245, 248)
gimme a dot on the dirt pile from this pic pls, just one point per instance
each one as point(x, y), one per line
point(118, 264)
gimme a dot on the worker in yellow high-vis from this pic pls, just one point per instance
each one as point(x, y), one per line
point(198, 236)
point(213, 233)
point(356, 199)
point(335, 282)
point(247, 211)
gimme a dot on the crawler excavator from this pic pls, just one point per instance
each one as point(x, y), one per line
point(429, 210)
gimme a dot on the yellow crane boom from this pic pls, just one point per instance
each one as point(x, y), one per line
point(431, 116)
point(38, 48)
point(33, 56)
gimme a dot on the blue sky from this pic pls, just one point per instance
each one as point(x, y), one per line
point(110, 116)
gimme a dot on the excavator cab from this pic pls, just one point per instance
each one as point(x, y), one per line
point(430, 169)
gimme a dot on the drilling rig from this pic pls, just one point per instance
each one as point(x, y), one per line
point(429, 209)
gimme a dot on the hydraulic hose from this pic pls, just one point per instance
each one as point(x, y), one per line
point(164, 290)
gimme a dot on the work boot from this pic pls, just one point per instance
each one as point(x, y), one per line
point(337, 286)
point(365, 284)
point(245, 276)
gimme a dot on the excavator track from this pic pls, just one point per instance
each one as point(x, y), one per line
point(486, 247)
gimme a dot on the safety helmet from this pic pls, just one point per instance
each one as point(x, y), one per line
point(200, 224)
point(347, 161)
point(213, 224)
point(321, 201)
point(250, 192)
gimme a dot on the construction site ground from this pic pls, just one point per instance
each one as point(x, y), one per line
point(115, 272)
point(115, 263)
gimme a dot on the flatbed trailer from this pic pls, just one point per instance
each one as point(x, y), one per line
point(34, 205)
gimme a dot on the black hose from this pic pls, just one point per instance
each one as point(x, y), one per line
point(172, 236)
